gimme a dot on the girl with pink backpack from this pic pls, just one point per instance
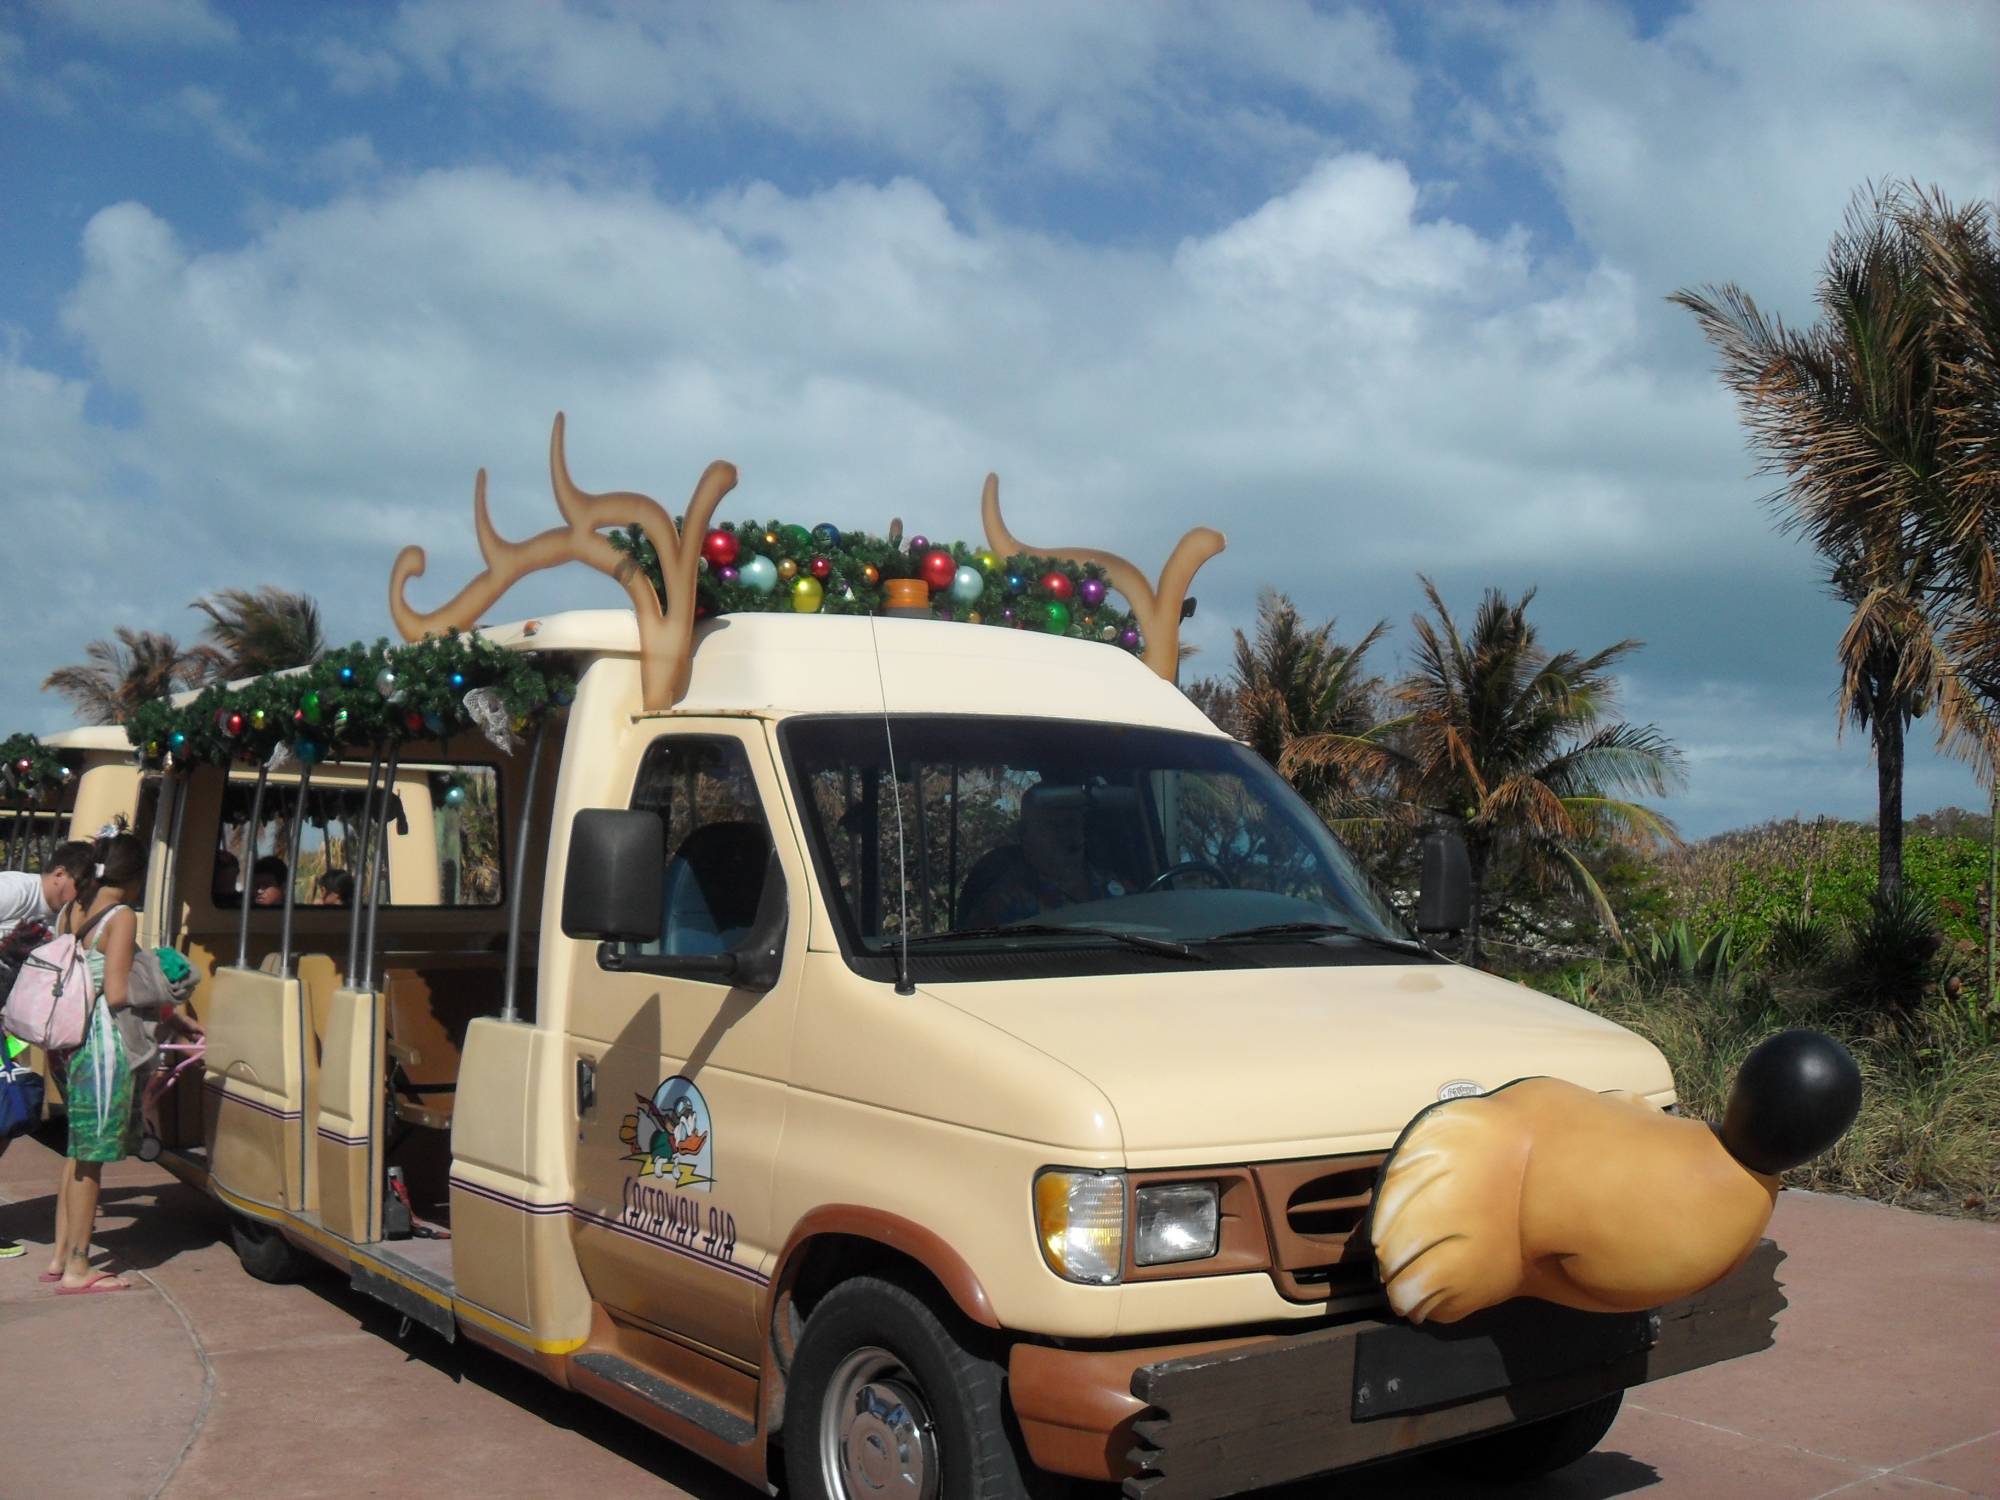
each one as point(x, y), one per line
point(97, 1081)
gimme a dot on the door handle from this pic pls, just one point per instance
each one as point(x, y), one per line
point(586, 1086)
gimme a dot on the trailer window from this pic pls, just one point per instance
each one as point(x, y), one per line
point(443, 826)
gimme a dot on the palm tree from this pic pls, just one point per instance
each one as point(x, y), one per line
point(1307, 704)
point(1509, 744)
point(1848, 412)
point(251, 631)
point(120, 674)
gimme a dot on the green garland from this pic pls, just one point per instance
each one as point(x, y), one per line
point(338, 704)
point(857, 566)
point(29, 769)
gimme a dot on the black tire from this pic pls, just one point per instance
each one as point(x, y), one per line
point(940, 1413)
point(1533, 1448)
point(265, 1253)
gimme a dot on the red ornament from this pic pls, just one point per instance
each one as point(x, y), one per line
point(1057, 585)
point(234, 724)
point(819, 567)
point(413, 721)
point(720, 548)
point(298, 716)
point(938, 569)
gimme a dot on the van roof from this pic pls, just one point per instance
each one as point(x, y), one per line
point(779, 664)
point(90, 737)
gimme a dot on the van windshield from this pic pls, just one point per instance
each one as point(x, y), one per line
point(1037, 833)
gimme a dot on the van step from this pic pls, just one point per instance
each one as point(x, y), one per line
point(412, 1305)
point(684, 1404)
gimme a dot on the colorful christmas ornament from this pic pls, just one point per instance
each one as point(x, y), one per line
point(788, 570)
point(1129, 639)
point(701, 565)
point(759, 572)
point(870, 574)
point(806, 596)
point(413, 721)
point(827, 535)
point(1108, 633)
point(309, 707)
point(346, 675)
point(720, 547)
point(728, 573)
point(919, 545)
point(385, 683)
point(1057, 586)
point(457, 681)
point(175, 741)
point(434, 723)
point(258, 718)
point(307, 750)
point(340, 721)
point(820, 568)
point(797, 538)
point(1055, 615)
point(967, 584)
point(937, 569)
point(770, 539)
point(454, 796)
point(1090, 592)
point(1015, 583)
point(987, 560)
point(232, 725)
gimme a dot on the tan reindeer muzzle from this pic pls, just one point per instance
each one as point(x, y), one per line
point(1544, 1189)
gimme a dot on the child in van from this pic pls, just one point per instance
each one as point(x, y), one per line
point(97, 1085)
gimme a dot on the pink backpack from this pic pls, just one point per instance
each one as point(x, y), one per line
point(49, 1006)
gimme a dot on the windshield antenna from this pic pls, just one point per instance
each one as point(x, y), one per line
point(903, 985)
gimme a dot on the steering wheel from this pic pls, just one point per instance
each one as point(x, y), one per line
point(1185, 867)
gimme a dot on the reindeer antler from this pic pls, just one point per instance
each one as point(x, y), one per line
point(1158, 609)
point(666, 638)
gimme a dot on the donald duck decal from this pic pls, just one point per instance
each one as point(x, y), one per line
point(671, 1136)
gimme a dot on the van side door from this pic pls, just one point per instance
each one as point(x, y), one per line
point(674, 1159)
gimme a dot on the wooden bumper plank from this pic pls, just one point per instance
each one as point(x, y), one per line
point(1263, 1414)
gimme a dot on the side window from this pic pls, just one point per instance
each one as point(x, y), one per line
point(717, 841)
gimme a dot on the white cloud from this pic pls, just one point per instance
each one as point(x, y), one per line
point(353, 69)
point(1725, 147)
point(344, 160)
point(209, 113)
point(145, 23)
point(1077, 84)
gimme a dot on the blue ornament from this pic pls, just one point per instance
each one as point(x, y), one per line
point(967, 584)
point(307, 751)
point(455, 797)
point(1015, 583)
point(827, 535)
point(564, 695)
point(176, 740)
point(347, 674)
point(758, 572)
point(458, 679)
point(434, 723)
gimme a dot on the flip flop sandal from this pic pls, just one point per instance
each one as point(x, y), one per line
point(95, 1286)
point(49, 1277)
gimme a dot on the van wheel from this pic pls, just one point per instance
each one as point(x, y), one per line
point(888, 1395)
point(265, 1253)
point(1534, 1447)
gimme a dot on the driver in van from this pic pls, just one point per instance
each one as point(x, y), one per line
point(1046, 869)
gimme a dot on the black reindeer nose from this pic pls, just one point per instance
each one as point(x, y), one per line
point(1794, 1096)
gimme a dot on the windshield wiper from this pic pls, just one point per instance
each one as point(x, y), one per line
point(1319, 929)
point(1056, 929)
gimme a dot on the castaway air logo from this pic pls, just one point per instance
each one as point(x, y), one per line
point(1458, 1088)
point(671, 1136)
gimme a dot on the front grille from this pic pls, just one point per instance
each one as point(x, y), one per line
point(1317, 1211)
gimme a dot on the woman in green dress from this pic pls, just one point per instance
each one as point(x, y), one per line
point(97, 1085)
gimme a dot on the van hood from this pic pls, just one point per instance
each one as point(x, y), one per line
point(1260, 1064)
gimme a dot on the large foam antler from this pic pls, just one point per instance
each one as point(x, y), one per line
point(666, 637)
point(1158, 607)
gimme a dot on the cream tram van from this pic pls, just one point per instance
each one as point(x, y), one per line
point(896, 1056)
point(926, 1059)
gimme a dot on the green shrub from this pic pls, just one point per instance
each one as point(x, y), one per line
point(1894, 952)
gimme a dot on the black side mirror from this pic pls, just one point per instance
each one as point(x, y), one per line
point(1444, 900)
point(762, 956)
point(616, 878)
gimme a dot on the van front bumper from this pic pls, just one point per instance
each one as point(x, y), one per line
point(1192, 1421)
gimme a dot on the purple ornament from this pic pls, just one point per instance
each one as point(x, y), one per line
point(1091, 592)
point(728, 573)
point(919, 545)
point(1007, 616)
point(1129, 639)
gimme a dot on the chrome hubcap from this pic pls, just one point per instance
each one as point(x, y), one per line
point(876, 1437)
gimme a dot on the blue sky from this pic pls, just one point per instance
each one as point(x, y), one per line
point(1377, 289)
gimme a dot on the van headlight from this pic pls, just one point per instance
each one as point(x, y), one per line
point(1174, 1221)
point(1080, 1220)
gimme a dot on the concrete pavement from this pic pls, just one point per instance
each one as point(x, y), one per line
point(202, 1382)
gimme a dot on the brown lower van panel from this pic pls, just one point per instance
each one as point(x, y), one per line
point(929, 1249)
point(1184, 1422)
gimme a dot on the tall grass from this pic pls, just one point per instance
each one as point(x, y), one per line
point(1928, 1135)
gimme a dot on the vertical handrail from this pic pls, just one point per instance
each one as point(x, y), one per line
point(357, 860)
point(247, 866)
point(509, 1010)
point(379, 870)
point(168, 925)
point(292, 871)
